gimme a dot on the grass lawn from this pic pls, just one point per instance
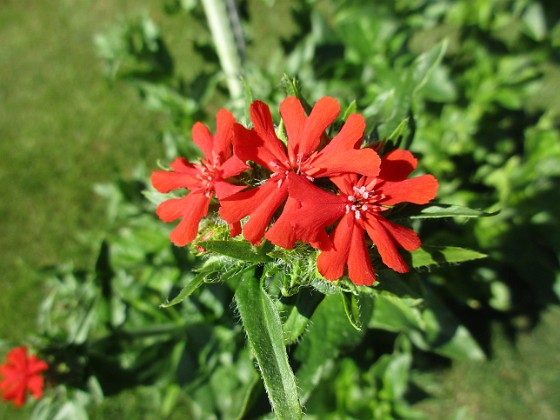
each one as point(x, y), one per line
point(62, 129)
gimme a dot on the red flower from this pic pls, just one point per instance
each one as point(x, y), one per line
point(21, 374)
point(302, 158)
point(360, 206)
point(203, 180)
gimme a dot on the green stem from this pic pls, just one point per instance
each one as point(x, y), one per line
point(224, 41)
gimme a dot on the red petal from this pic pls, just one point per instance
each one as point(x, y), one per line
point(419, 190)
point(322, 115)
point(405, 237)
point(336, 162)
point(294, 119)
point(397, 165)
point(248, 145)
point(232, 167)
point(18, 358)
point(282, 232)
point(36, 365)
point(172, 209)
point(182, 165)
point(350, 135)
point(203, 139)
point(259, 203)
point(264, 127)
point(345, 183)
point(386, 245)
point(360, 270)
point(16, 393)
point(35, 386)
point(165, 181)
point(331, 263)
point(224, 133)
point(234, 229)
point(259, 218)
point(224, 189)
point(236, 207)
point(319, 209)
point(340, 155)
point(195, 207)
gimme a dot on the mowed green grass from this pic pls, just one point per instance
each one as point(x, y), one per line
point(62, 129)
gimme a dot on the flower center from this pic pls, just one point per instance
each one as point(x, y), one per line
point(280, 171)
point(205, 177)
point(363, 201)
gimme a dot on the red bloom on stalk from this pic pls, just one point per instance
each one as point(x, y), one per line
point(203, 180)
point(21, 374)
point(302, 158)
point(360, 206)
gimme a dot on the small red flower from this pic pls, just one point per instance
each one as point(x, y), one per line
point(203, 180)
point(303, 158)
point(21, 374)
point(360, 206)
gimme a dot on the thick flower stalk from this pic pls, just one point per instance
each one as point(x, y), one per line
point(21, 374)
point(302, 157)
point(203, 180)
point(359, 207)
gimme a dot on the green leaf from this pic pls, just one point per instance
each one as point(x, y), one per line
point(352, 310)
point(445, 210)
point(329, 334)
point(437, 255)
point(404, 128)
point(351, 109)
point(534, 22)
point(299, 314)
point(444, 334)
point(264, 333)
point(396, 314)
point(193, 284)
point(414, 79)
point(240, 250)
point(424, 65)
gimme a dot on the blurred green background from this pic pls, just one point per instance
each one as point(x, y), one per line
point(63, 128)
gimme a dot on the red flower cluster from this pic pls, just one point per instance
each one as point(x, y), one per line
point(21, 374)
point(367, 186)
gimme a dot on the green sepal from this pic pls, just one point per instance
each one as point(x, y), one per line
point(262, 324)
point(436, 255)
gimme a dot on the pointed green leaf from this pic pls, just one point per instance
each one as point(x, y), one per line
point(415, 78)
point(352, 310)
point(396, 314)
point(193, 284)
point(445, 210)
point(424, 65)
point(264, 333)
point(404, 130)
point(351, 109)
point(299, 314)
point(437, 255)
point(240, 250)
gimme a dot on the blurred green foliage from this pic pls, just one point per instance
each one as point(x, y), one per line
point(473, 83)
